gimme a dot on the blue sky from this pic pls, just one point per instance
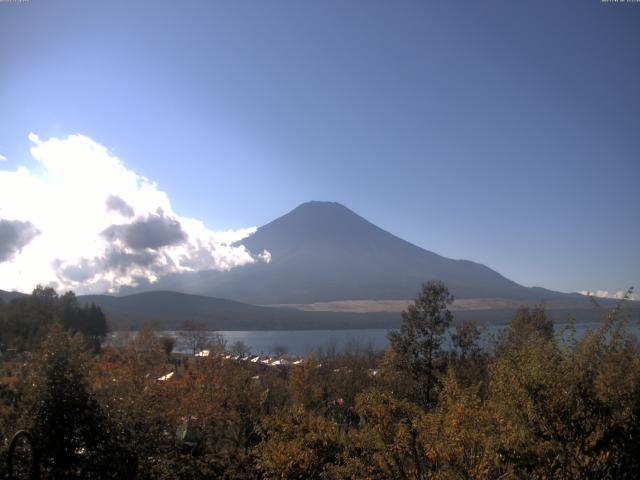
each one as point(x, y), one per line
point(503, 132)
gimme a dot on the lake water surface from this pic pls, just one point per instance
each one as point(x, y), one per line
point(301, 342)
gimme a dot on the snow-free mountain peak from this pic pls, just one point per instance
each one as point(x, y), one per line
point(323, 251)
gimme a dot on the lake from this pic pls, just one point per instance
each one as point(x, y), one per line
point(302, 342)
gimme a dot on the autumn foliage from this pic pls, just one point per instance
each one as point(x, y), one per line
point(536, 404)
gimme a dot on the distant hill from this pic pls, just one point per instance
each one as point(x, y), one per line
point(8, 296)
point(166, 310)
point(169, 309)
point(322, 252)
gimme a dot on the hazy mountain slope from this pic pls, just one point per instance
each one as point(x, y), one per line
point(322, 251)
point(169, 309)
point(166, 310)
point(351, 257)
point(8, 296)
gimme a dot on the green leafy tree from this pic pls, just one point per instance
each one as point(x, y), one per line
point(419, 340)
point(90, 320)
point(468, 360)
point(527, 323)
point(73, 434)
point(25, 320)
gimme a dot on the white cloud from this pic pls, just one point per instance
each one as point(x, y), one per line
point(102, 226)
point(3, 158)
point(619, 294)
point(265, 256)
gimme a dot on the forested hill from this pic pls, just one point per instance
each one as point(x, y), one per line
point(8, 296)
point(169, 309)
point(24, 319)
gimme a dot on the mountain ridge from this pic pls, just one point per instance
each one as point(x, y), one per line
point(323, 251)
point(167, 309)
point(330, 269)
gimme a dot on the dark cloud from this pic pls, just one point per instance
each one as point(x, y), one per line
point(80, 272)
point(117, 204)
point(153, 232)
point(116, 259)
point(137, 285)
point(14, 235)
point(133, 248)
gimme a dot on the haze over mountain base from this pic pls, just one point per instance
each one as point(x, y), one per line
point(324, 252)
point(329, 268)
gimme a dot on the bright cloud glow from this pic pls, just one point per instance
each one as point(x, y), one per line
point(2, 158)
point(606, 294)
point(101, 226)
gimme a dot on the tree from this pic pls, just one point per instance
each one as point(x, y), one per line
point(465, 339)
point(26, 320)
point(570, 413)
point(305, 385)
point(420, 337)
point(387, 442)
point(468, 360)
point(527, 324)
point(195, 335)
point(279, 350)
point(459, 434)
point(217, 343)
point(300, 444)
point(88, 319)
point(240, 348)
point(167, 344)
point(73, 434)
